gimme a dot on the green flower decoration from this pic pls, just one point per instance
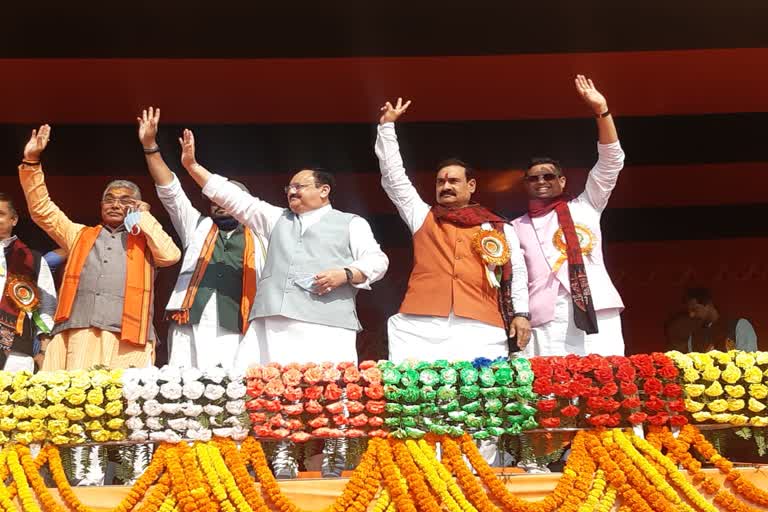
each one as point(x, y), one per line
point(428, 394)
point(410, 378)
point(410, 394)
point(429, 378)
point(393, 408)
point(493, 405)
point(468, 375)
point(446, 393)
point(428, 410)
point(504, 376)
point(449, 376)
point(469, 392)
point(390, 376)
point(411, 410)
point(458, 416)
point(487, 377)
point(491, 392)
point(472, 406)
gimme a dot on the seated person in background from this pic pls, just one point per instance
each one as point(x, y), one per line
point(678, 331)
point(716, 331)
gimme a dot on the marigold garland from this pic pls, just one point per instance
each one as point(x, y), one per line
point(394, 481)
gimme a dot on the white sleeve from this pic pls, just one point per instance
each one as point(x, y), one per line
point(184, 216)
point(251, 211)
point(519, 271)
point(369, 258)
point(746, 337)
point(603, 177)
point(412, 209)
point(47, 288)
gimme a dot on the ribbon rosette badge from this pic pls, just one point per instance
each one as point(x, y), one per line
point(492, 248)
point(23, 293)
point(586, 243)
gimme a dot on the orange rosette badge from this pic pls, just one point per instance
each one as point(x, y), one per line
point(586, 243)
point(492, 248)
point(23, 293)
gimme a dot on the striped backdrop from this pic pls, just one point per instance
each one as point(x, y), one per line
point(268, 89)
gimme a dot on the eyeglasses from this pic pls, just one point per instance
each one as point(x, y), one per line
point(547, 177)
point(296, 187)
point(122, 201)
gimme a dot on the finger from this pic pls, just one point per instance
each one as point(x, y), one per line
point(181, 143)
point(399, 103)
point(405, 107)
point(388, 105)
point(138, 120)
point(144, 115)
point(157, 115)
point(591, 85)
point(34, 134)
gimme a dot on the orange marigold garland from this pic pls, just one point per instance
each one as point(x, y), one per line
point(468, 482)
point(237, 465)
point(32, 472)
point(391, 476)
point(417, 485)
point(614, 474)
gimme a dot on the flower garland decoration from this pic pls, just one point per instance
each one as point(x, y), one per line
point(483, 397)
point(610, 391)
point(329, 400)
point(63, 407)
point(170, 404)
point(725, 387)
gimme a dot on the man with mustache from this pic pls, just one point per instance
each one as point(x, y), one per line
point(104, 314)
point(458, 305)
point(318, 258)
point(211, 302)
point(575, 309)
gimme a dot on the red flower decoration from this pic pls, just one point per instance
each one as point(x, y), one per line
point(546, 405)
point(550, 422)
point(354, 391)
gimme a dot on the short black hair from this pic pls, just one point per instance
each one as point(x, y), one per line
point(544, 160)
point(700, 295)
point(323, 177)
point(469, 171)
point(5, 198)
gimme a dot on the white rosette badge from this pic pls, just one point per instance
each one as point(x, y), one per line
point(492, 248)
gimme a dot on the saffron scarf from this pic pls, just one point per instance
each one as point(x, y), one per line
point(583, 307)
point(137, 300)
point(249, 278)
point(475, 215)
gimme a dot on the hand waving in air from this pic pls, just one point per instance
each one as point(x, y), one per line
point(148, 123)
point(591, 95)
point(187, 142)
point(37, 143)
point(390, 114)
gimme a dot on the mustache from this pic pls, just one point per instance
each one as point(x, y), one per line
point(294, 196)
point(447, 193)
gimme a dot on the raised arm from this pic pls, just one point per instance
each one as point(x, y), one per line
point(184, 216)
point(42, 210)
point(604, 175)
point(412, 209)
point(251, 211)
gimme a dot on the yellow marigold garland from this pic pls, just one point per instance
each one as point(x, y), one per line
point(677, 478)
point(32, 473)
point(417, 485)
point(469, 484)
point(217, 488)
point(237, 465)
point(595, 494)
point(28, 502)
point(6, 502)
point(394, 481)
point(432, 475)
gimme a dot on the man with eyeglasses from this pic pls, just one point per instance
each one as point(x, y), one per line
point(210, 305)
point(318, 259)
point(104, 314)
point(574, 306)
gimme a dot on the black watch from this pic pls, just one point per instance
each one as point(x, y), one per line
point(350, 275)
point(527, 316)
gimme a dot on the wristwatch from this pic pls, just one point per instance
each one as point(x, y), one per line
point(350, 275)
point(521, 314)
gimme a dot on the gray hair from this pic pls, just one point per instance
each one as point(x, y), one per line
point(123, 184)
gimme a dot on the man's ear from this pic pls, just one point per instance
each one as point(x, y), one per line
point(325, 191)
point(472, 184)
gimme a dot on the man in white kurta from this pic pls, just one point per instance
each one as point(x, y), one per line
point(318, 258)
point(220, 334)
point(455, 331)
point(543, 239)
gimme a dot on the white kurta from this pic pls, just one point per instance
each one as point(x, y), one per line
point(560, 336)
point(16, 360)
point(286, 340)
point(205, 344)
point(431, 337)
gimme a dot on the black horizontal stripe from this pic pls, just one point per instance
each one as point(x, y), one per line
point(245, 28)
point(97, 150)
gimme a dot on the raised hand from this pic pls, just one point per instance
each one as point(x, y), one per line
point(148, 123)
point(590, 94)
point(390, 114)
point(37, 143)
point(187, 142)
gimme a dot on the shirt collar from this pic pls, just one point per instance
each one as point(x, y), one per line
point(8, 241)
point(315, 213)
